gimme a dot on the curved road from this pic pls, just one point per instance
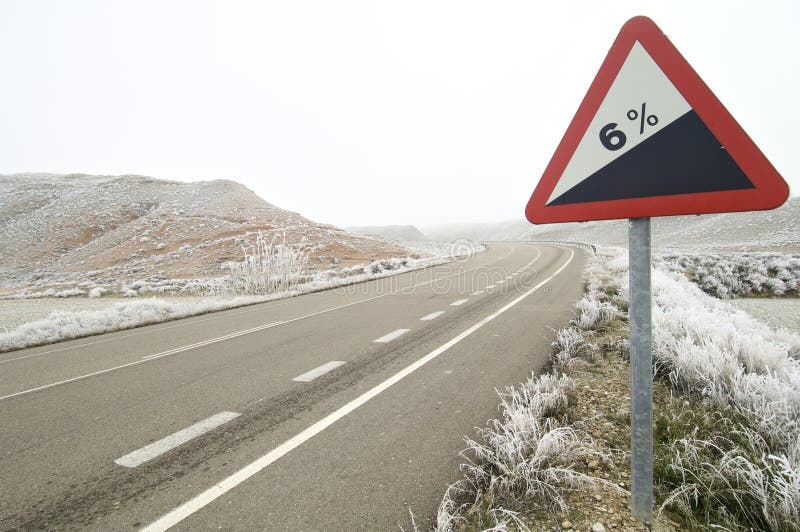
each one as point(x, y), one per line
point(338, 410)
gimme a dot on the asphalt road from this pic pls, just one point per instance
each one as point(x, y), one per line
point(287, 415)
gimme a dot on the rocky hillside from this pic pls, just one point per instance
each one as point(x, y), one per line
point(60, 229)
point(777, 230)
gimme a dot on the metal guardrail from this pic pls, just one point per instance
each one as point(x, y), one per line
point(583, 245)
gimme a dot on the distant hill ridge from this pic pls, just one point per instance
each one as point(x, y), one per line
point(776, 230)
point(399, 233)
point(133, 227)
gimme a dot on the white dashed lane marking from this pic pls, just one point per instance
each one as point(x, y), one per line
point(459, 302)
point(318, 372)
point(432, 316)
point(172, 441)
point(391, 336)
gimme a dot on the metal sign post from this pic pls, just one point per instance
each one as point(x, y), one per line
point(640, 313)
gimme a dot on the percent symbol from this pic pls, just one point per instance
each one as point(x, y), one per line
point(614, 139)
point(633, 115)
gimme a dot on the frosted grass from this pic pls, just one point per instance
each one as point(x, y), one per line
point(732, 275)
point(527, 456)
point(710, 350)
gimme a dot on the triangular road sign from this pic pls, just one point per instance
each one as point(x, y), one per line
point(650, 139)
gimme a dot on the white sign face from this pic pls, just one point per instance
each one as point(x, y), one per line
point(640, 102)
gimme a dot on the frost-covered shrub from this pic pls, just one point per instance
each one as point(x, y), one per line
point(740, 274)
point(97, 291)
point(72, 292)
point(137, 285)
point(593, 310)
point(373, 270)
point(50, 292)
point(570, 343)
point(526, 456)
point(388, 265)
point(269, 269)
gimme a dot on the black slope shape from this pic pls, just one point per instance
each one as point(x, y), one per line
point(683, 158)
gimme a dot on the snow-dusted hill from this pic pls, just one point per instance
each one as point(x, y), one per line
point(61, 229)
point(777, 230)
point(399, 233)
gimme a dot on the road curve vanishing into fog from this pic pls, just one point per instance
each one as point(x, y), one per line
point(338, 410)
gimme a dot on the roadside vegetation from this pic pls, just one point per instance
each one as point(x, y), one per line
point(739, 274)
point(727, 421)
point(271, 267)
point(270, 271)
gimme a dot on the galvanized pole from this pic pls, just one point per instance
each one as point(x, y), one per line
point(641, 369)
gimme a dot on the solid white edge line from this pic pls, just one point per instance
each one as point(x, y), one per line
point(157, 448)
point(212, 341)
point(309, 376)
point(432, 316)
point(183, 511)
point(459, 302)
point(143, 360)
point(391, 336)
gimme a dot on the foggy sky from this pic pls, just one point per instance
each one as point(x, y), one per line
point(417, 112)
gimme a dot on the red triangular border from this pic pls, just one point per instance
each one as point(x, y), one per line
point(770, 190)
